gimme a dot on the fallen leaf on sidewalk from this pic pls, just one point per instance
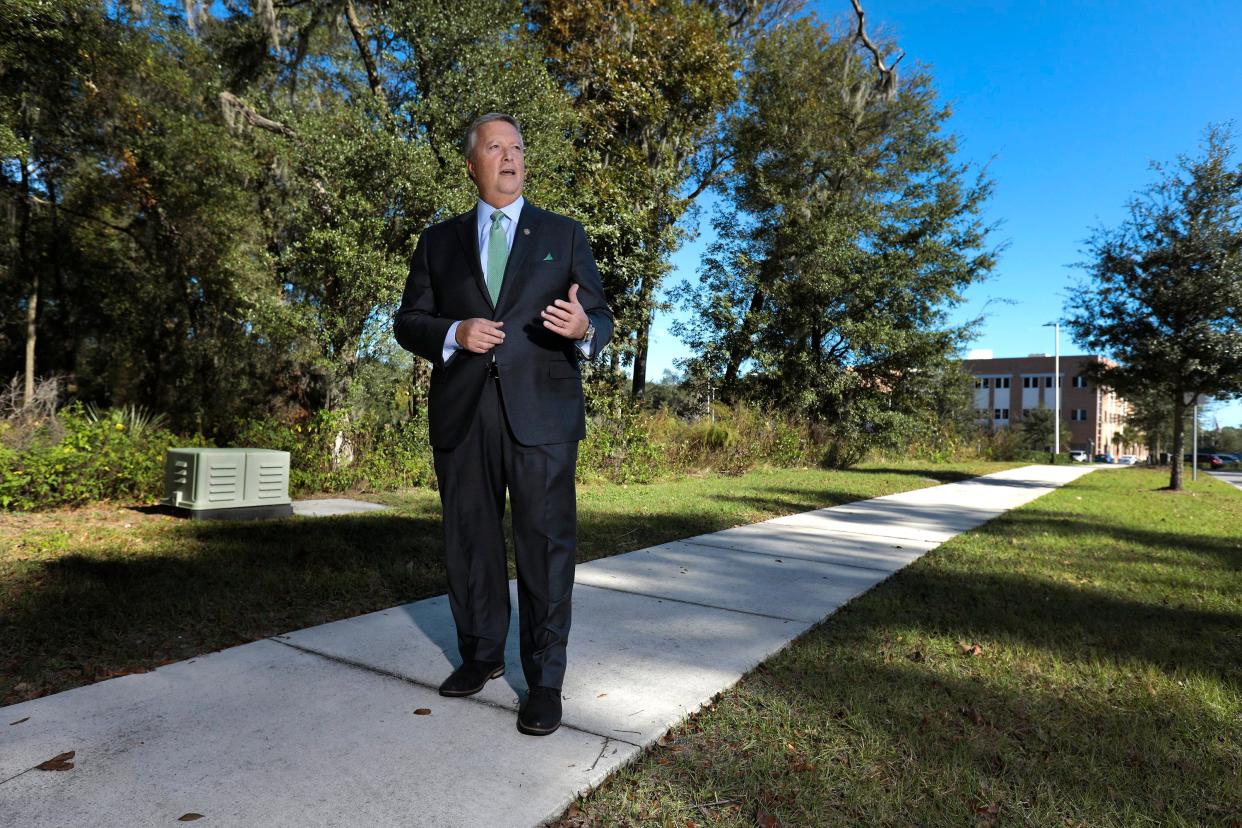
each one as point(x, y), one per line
point(423, 711)
point(190, 817)
point(19, 721)
point(59, 762)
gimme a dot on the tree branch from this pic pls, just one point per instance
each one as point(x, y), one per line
point(234, 108)
point(360, 38)
point(887, 81)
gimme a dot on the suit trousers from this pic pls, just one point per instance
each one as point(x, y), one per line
point(473, 477)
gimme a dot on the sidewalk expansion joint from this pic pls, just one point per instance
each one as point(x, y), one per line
point(358, 665)
point(691, 603)
point(783, 557)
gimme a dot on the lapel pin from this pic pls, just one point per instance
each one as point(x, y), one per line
point(525, 231)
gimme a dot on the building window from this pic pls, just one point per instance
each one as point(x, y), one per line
point(1026, 412)
point(1080, 381)
point(1047, 382)
point(1000, 414)
point(1078, 415)
point(981, 382)
point(1002, 382)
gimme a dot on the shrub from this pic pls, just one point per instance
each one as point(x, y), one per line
point(626, 443)
point(73, 457)
point(331, 452)
point(619, 444)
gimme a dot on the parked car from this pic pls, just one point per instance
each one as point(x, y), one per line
point(1079, 456)
point(1229, 458)
point(1127, 460)
point(1212, 461)
point(1103, 458)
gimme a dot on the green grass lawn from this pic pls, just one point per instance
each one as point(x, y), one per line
point(87, 594)
point(1077, 662)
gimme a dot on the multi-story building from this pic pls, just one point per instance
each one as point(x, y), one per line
point(1008, 389)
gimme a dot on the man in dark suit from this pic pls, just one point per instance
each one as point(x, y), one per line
point(504, 301)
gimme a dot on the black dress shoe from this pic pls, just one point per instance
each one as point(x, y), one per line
point(542, 712)
point(470, 677)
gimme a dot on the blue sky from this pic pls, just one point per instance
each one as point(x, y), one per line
point(1069, 102)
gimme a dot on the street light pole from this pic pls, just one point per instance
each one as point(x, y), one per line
point(1056, 391)
point(1194, 465)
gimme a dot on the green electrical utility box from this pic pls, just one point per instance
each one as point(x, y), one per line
point(227, 484)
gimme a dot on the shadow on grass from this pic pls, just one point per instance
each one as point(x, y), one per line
point(939, 475)
point(1224, 551)
point(1076, 623)
point(84, 616)
point(896, 744)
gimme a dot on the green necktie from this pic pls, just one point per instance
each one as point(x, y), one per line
point(497, 255)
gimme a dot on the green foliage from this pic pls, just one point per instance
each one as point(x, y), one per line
point(627, 443)
point(648, 81)
point(1035, 430)
point(1227, 439)
point(619, 445)
point(331, 453)
point(77, 458)
point(133, 418)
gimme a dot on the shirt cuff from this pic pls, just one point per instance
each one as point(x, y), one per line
point(450, 343)
point(585, 347)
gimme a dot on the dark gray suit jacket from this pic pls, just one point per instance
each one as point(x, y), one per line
point(539, 375)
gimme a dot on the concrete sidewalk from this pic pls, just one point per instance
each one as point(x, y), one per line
point(341, 724)
point(1234, 478)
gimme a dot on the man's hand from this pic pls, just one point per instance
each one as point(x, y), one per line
point(567, 318)
point(479, 335)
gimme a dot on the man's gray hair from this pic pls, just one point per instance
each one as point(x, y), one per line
point(472, 134)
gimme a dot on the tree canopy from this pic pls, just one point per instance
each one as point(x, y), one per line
point(1163, 293)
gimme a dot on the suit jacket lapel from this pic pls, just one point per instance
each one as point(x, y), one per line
point(467, 228)
point(523, 239)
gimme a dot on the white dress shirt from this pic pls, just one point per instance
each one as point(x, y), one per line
point(483, 224)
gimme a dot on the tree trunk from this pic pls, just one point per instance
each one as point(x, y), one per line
point(639, 385)
point(740, 349)
point(642, 335)
point(360, 40)
point(420, 382)
point(1179, 443)
point(32, 301)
